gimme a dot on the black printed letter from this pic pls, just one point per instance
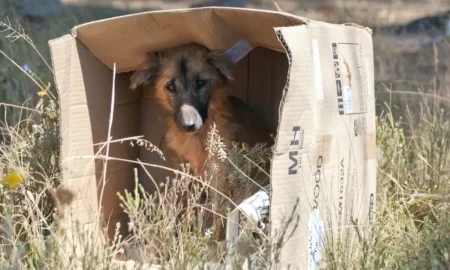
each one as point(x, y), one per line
point(293, 157)
point(295, 129)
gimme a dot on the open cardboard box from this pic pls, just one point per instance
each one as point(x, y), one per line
point(311, 80)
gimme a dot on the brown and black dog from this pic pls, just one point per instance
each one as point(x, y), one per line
point(193, 84)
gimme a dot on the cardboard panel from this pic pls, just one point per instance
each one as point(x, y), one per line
point(85, 115)
point(291, 168)
point(260, 81)
point(153, 128)
point(126, 122)
point(217, 29)
point(267, 78)
point(123, 179)
point(61, 57)
point(323, 157)
point(75, 129)
point(240, 84)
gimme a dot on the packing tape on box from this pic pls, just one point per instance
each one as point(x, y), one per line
point(238, 51)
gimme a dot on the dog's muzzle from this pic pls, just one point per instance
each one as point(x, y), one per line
point(190, 119)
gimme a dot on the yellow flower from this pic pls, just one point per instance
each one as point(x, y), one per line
point(12, 179)
point(44, 92)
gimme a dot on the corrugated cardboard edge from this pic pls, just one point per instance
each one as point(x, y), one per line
point(286, 86)
point(58, 87)
point(288, 52)
point(62, 80)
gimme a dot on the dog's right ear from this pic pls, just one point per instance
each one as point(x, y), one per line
point(148, 72)
point(221, 64)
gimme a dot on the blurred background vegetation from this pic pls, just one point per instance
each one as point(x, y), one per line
point(411, 49)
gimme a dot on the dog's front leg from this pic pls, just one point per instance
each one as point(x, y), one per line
point(221, 201)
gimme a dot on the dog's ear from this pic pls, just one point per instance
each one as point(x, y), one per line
point(148, 72)
point(222, 64)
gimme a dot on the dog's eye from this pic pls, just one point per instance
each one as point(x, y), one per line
point(171, 86)
point(200, 83)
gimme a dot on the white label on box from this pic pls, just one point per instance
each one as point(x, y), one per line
point(316, 238)
point(347, 99)
point(317, 70)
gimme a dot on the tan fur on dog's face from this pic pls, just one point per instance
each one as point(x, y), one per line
point(186, 79)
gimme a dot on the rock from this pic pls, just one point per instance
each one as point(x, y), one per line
point(37, 8)
point(433, 25)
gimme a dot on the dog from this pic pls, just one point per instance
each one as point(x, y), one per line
point(193, 84)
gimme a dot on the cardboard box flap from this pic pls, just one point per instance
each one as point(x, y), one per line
point(64, 55)
point(125, 40)
point(359, 26)
point(324, 154)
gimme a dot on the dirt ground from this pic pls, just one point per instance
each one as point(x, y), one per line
point(381, 12)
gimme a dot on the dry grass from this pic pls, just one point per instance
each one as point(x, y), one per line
point(413, 131)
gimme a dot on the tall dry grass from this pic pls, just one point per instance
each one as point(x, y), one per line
point(34, 212)
point(411, 232)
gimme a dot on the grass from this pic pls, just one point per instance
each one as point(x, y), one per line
point(412, 230)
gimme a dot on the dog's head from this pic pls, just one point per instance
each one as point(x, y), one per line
point(186, 79)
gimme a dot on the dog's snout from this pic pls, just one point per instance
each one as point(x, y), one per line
point(190, 127)
point(188, 123)
point(189, 118)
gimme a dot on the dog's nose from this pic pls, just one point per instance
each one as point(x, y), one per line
point(189, 118)
point(189, 127)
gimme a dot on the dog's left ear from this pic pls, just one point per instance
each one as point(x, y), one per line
point(148, 72)
point(222, 64)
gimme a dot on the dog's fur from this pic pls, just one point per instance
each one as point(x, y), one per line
point(193, 84)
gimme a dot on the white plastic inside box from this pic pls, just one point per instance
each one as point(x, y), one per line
point(255, 209)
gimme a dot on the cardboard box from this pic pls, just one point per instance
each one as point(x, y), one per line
point(311, 80)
